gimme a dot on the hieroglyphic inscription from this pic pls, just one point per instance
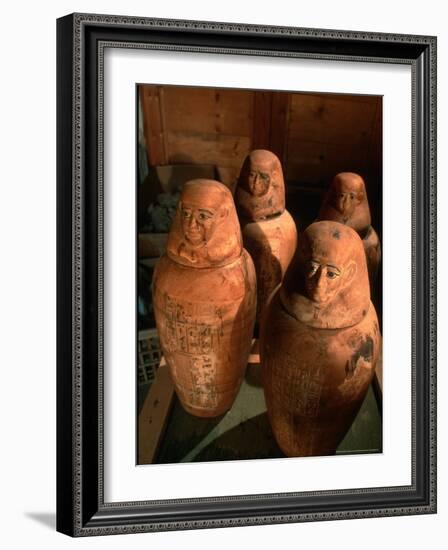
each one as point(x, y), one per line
point(203, 391)
point(194, 332)
point(299, 387)
point(188, 329)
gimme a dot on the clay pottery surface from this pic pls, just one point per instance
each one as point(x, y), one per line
point(271, 244)
point(346, 202)
point(319, 342)
point(204, 295)
point(269, 232)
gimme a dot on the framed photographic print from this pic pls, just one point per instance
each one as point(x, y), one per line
point(246, 274)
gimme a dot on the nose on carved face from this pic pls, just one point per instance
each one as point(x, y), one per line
point(255, 179)
point(192, 222)
point(320, 282)
point(320, 278)
point(344, 203)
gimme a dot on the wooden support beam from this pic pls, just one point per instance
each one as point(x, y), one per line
point(154, 415)
point(153, 124)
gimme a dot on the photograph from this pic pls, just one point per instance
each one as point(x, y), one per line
point(259, 304)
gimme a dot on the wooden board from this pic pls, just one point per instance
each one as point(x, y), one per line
point(213, 148)
point(153, 124)
point(332, 118)
point(154, 414)
point(328, 134)
point(318, 163)
point(261, 131)
point(314, 135)
point(208, 111)
point(280, 118)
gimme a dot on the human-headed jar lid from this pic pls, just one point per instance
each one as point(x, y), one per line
point(326, 284)
point(205, 231)
point(346, 202)
point(260, 192)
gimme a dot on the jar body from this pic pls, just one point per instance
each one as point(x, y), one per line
point(314, 379)
point(271, 243)
point(205, 319)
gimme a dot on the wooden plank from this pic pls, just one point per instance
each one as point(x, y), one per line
point(375, 154)
point(261, 132)
point(349, 98)
point(279, 124)
point(154, 415)
point(162, 109)
point(317, 163)
point(208, 110)
point(331, 119)
point(153, 124)
point(211, 148)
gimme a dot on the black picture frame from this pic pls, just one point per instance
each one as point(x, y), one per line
point(81, 509)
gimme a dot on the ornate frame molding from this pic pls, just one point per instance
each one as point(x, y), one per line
point(81, 42)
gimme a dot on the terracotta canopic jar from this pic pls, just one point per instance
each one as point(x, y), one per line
point(319, 342)
point(269, 232)
point(204, 294)
point(346, 202)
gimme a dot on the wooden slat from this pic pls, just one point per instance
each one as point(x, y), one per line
point(154, 415)
point(376, 138)
point(261, 133)
point(332, 119)
point(318, 163)
point(279, 124)
point(153, 124)
point(348, 98)
point(163, 109)
point(211, 148)
point(208, 110)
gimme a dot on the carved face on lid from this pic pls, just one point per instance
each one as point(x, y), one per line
point(261, 190)
point(346, 202)
point(327, 285)
point(205, 230)
point(323, 278)
point(198, 220)
point(347, 193)
point(261, 171)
